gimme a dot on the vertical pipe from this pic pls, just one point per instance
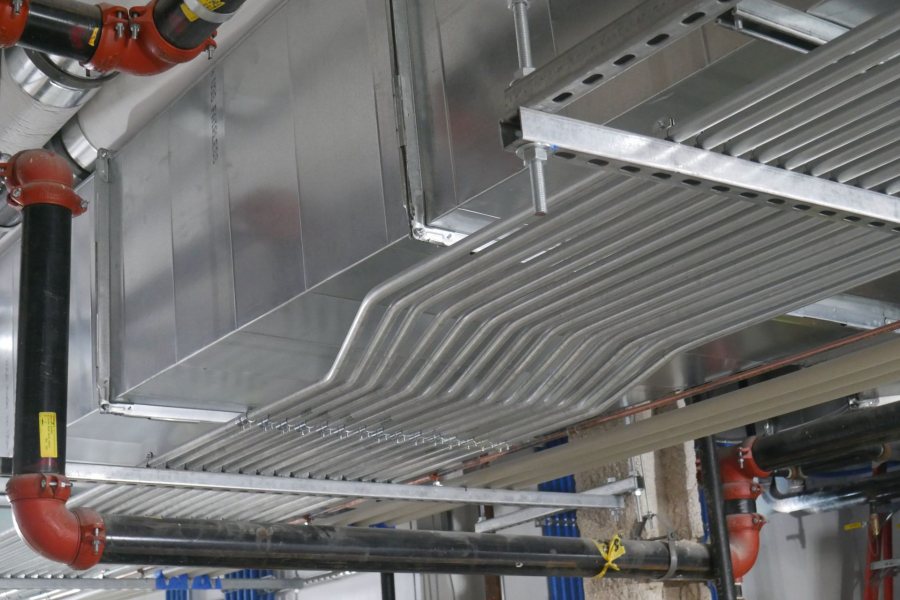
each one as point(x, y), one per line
point(43, 345)
point(388, 591)
point(718, 526)
point(493, 586)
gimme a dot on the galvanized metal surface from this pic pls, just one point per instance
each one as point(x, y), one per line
point(650, 158)
point(832, 115)
point(604, 497)
point(782, 25)
point(646, 29)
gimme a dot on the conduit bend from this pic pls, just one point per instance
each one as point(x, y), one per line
point(740, 490)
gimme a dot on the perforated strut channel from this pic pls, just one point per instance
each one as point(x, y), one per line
point(647, 29)
point(832, 115)
point(683, 166)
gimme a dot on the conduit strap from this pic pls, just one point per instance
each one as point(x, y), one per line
point(610, 552)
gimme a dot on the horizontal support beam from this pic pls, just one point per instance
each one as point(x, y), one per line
point(628, 485)
point(605, 497)
point(174, 414)
point(719, 174)
point(781, 25)
point(853, 311)
point(624, 43)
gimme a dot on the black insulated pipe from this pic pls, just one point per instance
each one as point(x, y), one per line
point(866, 454)
point(720, 545)
point(388, 591)
point(881, 489)
point(43, 344)
point(63, 27)
point(188, 24)
point(240, 545)
point(828, 439)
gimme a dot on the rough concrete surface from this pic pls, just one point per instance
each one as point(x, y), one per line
point(671, 495)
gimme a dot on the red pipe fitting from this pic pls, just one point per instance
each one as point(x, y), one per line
point(743, 535)
point(739, 470)
point(41, 177)
point(13, 18)
point(74, 537)
point(130, 42)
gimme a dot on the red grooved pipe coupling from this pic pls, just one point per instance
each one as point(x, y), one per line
point(739, 470)
point(74, 537)
point(130, 42)
point(12, 22)
point(41, 177)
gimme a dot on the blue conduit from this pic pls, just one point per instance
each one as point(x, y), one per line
point(245, 594)
point(562, 525)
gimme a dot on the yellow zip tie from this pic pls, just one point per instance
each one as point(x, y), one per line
point(610, 552)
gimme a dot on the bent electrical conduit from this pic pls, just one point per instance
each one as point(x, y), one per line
point(40, 184)
point(142, 40)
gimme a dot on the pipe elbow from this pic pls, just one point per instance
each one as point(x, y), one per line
point(44, 522)
point(743, 535)
point(41, 177)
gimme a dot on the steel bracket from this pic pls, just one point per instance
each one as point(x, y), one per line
point(718, 174)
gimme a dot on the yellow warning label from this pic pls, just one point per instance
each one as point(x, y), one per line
point(94, 35)
point(191, 15)
point(212, 4)
point(47, 428)
point(852, 526)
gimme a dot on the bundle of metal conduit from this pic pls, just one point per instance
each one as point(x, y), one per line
point(40, 183)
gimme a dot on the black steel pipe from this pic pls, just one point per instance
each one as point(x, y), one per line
point(828, 439)
point(882, 488)
point(240, 545)
point(43, 340)
point(720, 545)
point(188, 29)
point(864, 455)
point(388, 590)
point(63, 27)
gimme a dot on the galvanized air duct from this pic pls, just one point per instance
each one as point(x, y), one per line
point(127, 104)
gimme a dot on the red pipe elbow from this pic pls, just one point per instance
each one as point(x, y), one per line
point(738, 471)
point(743, 534)
point(12, 22)
point(76, 538)
point(40, 177)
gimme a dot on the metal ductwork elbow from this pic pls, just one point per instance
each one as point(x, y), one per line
point(740, 490)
